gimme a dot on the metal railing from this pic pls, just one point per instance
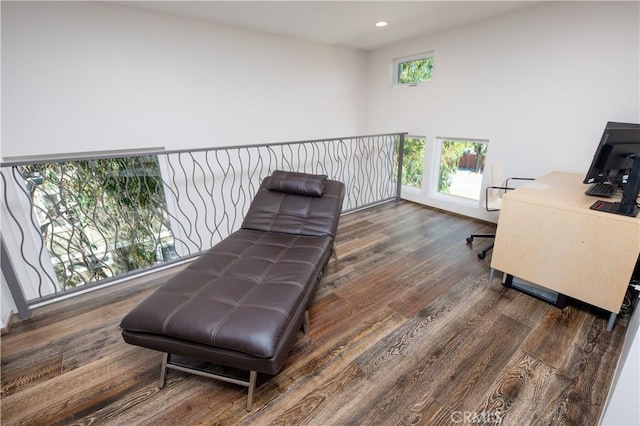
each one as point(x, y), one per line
point(75, 222)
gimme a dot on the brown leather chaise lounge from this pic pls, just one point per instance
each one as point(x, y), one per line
point(241, 303)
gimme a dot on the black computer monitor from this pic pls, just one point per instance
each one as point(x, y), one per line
point(617, 160)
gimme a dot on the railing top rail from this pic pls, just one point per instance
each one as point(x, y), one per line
point(78, 227)
point(102, 155)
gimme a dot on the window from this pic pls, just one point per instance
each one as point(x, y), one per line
point(413, 70)
point(461, 167)
point(413, 161)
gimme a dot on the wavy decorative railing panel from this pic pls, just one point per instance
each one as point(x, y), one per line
point(79, 222)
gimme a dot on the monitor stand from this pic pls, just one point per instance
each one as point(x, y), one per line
point(629, 204)
point(616, 208)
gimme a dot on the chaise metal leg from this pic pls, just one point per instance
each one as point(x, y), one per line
point(252, 387)
point(305, 323)
point(163, 371)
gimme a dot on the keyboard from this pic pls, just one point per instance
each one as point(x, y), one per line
point(601, 189)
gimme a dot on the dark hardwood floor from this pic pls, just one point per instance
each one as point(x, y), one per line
point(405, 329)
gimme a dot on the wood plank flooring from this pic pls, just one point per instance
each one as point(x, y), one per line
point(405, 329)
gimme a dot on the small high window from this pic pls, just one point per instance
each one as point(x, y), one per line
point(413, 70)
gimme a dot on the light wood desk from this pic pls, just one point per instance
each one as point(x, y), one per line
point(547, 235)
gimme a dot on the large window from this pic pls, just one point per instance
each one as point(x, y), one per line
point(413, 70)
point(461, 168)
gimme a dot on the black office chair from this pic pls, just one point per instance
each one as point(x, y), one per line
point(493, 202)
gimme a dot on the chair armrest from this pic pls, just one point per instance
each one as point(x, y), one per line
point(503, 188)
point(486, 196)
point(516, 178)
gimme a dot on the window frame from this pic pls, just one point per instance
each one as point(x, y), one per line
point(397, 62)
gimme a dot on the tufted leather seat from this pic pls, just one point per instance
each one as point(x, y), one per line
point(241, 303)
point(240, 295)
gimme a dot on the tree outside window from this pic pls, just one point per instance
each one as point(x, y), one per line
point(461, 168)
point(100, 218)
point(412, 161)
point(415, 70)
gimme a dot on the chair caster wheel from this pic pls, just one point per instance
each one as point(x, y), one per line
point(469, 240)
point(482, 255)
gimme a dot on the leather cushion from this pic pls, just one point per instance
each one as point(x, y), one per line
point(273, 211)
point(297, 183)
point(239, 295)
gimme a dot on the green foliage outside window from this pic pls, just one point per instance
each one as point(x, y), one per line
point(113, 209)
point(452, 152)
point(416, 71)
point(412, 161)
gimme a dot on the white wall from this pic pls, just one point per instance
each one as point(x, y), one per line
point(86, 76)
point(539, 84)
point(89, 76)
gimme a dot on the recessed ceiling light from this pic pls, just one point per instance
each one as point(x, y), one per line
point(381, 24)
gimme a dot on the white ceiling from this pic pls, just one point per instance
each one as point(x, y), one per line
point(343, 23)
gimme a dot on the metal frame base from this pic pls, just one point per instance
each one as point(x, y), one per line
point(253, 375)
point(251, 383)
